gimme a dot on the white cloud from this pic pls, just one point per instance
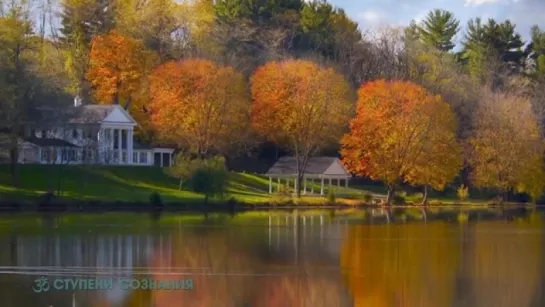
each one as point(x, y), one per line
point(480, 2)
point(370, 16)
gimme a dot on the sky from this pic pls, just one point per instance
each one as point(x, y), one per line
point(373, 14)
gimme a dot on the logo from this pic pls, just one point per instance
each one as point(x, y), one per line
point(41, 285)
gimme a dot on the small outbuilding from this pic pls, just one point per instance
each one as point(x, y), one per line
point(317, 168)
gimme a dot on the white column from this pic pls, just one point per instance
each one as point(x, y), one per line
point(322, 187)
point(346, 183)
point(312, 186)
point(119, 145)
point(278, 186)
point(130, 146)
point(111, 139)
point(270, 185)
point(330, 184)
point(161, 156)
point(305, 185)
point(338, 182)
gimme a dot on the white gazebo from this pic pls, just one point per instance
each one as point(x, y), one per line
point(317, 168)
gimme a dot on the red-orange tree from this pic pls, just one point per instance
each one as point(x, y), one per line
point(199, 105)
point(402, 133)
point(300, 105)
point(117, 72)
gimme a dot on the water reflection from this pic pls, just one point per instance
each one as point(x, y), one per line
point(357, 259)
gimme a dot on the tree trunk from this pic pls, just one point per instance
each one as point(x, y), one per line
point(425, 198)
point(390, 194)
point(14, 156)
point(298, 186)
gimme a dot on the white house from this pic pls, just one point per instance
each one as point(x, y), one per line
point(88, 134)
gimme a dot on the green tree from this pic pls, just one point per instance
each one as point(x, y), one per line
point(488, 43)
point(536, 48)
point(25, 81)
point(81, 20)
point(210, 177)
point(183, 167)
point(438, 29)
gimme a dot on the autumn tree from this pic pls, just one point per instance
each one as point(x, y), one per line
point(507, 146)
point(199, 105)
point(118, 72)
point(301, 106)
point(402, 133)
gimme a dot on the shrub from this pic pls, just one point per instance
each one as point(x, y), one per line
point(210, 178)
point(368, 197)
point(398, 200)
point(462, 192)
point(331, 196)
point(155, 200)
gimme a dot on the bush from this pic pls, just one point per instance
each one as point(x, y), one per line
point(462, 192)
point(210, 178)
point(155, 200)
point(398, 200)
point(368, 197)
point(331, 196)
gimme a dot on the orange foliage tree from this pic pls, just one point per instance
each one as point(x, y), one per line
point(402, 133)
point(300, 105)
point(199, 105)
point(118, 69)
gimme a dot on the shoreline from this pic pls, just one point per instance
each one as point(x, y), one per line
point(227, 206)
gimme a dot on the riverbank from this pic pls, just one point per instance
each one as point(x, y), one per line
point(126, 188)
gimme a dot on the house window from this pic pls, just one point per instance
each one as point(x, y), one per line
point(75, 133)
point(44, 134)
point(135, 158)
point(143, 158)
point(84, 155)
point(72, 155)
point(45, 155)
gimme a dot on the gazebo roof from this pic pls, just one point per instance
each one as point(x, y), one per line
point(316, 167)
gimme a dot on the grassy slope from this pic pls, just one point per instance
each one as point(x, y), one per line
point(125, 183)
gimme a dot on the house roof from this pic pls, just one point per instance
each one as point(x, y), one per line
point(49, 142)
point(317, 166)
point(90, 114)
point(84, 114)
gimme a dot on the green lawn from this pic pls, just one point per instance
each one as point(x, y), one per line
point(130, 183)
point(133, 183)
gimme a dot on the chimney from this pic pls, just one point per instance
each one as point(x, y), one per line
point(77, 101)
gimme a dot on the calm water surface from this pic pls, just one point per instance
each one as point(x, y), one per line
point(358, 258)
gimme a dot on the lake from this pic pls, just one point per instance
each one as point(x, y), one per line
point(376, 257)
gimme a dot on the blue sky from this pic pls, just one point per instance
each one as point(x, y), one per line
point(373, 14)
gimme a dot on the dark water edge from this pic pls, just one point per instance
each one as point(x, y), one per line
point(230, 205)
